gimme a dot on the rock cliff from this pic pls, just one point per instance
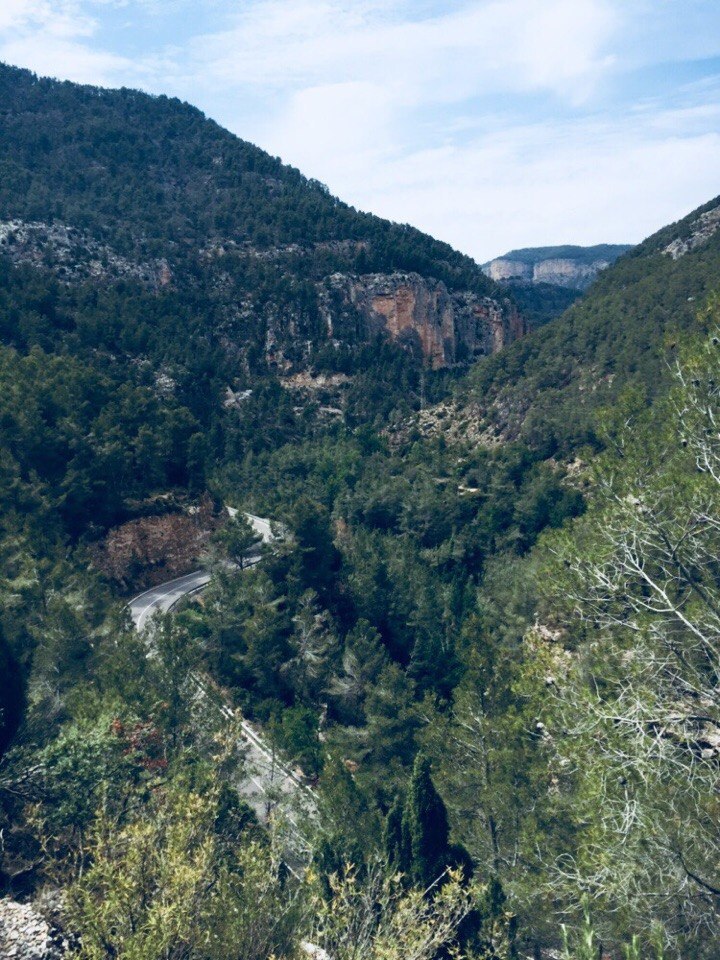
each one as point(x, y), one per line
point(448, 327)
point(699, 231)
point(568, 266)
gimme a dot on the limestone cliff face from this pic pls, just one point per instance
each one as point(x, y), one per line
point(568, 273)
point(561, 271)
point(449, 327)
point(505, 269)
point(701, 229)
point(566, 266)
point(419, 312)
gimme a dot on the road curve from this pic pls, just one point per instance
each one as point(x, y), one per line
point(268, 783)
point(163, 598)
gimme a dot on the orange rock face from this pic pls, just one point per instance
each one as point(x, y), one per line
point(416, 309)
point(448, 327)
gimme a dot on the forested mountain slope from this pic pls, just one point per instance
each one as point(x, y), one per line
point(547, 389)
point(545, 281)
point(427, 642)
point(148, 189)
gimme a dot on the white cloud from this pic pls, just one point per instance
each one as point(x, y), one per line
point(532, 186)
point(338, 126)
point(55, 38)
point(62, 18)
point(555, 45)
point(54, 56)
point(352, 89)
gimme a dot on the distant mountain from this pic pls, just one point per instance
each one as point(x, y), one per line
point(564, 266)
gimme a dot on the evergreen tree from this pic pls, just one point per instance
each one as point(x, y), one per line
point(314, 647)
point(237, 539)
point(426, 821)
point(391, 721)
point(395, 838)
point(496, 933)
point(362, 662)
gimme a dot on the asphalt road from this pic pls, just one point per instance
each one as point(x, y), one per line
point(267, 785)
point(164, 597)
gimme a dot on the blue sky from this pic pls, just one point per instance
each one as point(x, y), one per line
point(491, 124)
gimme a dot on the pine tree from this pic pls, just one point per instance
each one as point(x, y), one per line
point(237, 539)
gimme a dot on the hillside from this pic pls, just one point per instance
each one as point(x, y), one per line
point(547, 390)
point(154, 193)
point(484, 639)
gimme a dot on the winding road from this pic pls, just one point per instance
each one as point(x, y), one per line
point(163, 598)
point(268, 785)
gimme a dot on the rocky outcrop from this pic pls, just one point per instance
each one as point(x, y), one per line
point(700, 231)
point(448, 327)
point(25, 934)
point(74, 256)
point(568, 273)
point(562, 272)
point(504, 269)
point(568, 266)
point(457, 423)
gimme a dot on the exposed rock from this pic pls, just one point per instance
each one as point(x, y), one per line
point(73, 255)
point(313, 384)
point(561, 272)
point(218, 248)
point(313, 951)
point(151, 550)
point(448, 327)
point(25, 934)
point(165, 385)
point(457, 424)
point(568, 273)
point(568, 266)
point(324, 393)
point(701, 231)
point(504, 269)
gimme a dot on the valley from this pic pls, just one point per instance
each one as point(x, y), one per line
point(467, 703)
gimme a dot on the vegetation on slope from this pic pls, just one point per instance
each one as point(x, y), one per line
point(580, 255)
point(547, 389)
point(474, 605)
point(155, 172)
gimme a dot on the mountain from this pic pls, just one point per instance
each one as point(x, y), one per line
point(548, 389)
point(487, 632)
point(115, 186)
point(564, 266)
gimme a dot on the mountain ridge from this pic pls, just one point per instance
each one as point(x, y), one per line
point(150, 178)
point(549, 389)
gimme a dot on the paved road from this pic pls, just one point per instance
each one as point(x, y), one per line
point(268, 784)
point(164, 597)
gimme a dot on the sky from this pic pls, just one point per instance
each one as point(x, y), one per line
point(491, 124)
